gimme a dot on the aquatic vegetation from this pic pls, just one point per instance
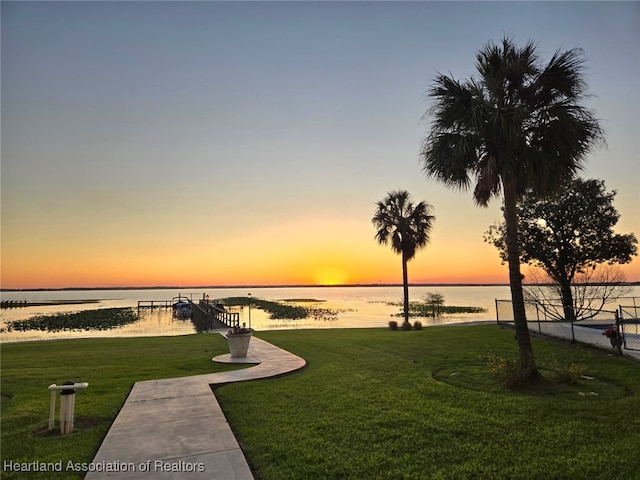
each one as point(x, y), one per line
point(418, 309)
point(99, 319)
point(285, 310)
point(303, 300)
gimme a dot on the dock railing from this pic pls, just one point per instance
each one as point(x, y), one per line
point(209, 316)
point(204, 314)
point(155, 303)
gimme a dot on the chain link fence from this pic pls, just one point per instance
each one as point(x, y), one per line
point(542, 318)
point(629, 317)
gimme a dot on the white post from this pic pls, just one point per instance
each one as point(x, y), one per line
point(52, 409)
point(67, 404)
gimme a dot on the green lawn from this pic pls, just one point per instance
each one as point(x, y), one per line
point(377, 404)
point(371, 404)
point(111, 366)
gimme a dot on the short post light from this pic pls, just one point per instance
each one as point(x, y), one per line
point(249, 310)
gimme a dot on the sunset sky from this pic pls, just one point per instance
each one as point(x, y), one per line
point(240, 143)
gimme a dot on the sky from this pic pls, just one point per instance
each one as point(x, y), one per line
point(246, 143)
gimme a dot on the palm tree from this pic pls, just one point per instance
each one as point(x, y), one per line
point(406, 226)
point(518, 125)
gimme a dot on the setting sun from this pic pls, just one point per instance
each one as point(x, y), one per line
point(331, 276)
point(145, 147)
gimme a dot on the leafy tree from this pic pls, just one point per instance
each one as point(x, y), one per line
point(434, 301)
point(518, 125)
point(406, 227)
point(567, 234)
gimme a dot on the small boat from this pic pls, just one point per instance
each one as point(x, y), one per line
point(181, 307)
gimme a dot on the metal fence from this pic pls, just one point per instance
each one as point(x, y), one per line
point(629, 318)
point(540, 313)
point(543, 319)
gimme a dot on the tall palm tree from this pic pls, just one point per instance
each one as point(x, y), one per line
point(518, 125)
point(406, 227)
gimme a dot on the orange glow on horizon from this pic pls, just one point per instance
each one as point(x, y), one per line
point(341, 253)
point(330, 277)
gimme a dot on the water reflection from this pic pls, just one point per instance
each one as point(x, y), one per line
point(339, 307)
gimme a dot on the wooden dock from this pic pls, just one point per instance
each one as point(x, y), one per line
point(210, 316)
point(163, 303)
point(205, 315)
point(155, 303)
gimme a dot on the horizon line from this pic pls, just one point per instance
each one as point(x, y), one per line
point(292, 285)
point(343, 285)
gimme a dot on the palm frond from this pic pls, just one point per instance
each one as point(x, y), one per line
point(562, 77)
point(488, 180)
point(403, 225)
point(519, 119)
point(448, 157)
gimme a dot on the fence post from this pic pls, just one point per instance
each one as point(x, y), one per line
point(619, 337)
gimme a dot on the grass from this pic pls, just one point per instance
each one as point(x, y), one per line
point(371, 403)
point(378, 404)
point(110, 366)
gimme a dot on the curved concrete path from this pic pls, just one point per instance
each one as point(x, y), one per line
point(175, 429)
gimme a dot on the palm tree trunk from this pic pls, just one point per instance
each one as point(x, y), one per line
point(405, 287)
point(527, 360)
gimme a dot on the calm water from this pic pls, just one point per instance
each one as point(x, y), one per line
point(355, 306)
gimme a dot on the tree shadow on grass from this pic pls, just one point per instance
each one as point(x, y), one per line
point(479, 378)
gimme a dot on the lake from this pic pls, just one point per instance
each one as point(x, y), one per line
point(355, 307)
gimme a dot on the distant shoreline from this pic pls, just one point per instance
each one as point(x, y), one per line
point(184, 287)
point(201, 287)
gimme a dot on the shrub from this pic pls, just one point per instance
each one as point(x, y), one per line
point(417, 325)
point(393, 325)
point(406, 326)
point(572, 373)
point(508, 371)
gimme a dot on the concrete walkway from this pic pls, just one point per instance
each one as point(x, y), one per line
point(175, 429)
